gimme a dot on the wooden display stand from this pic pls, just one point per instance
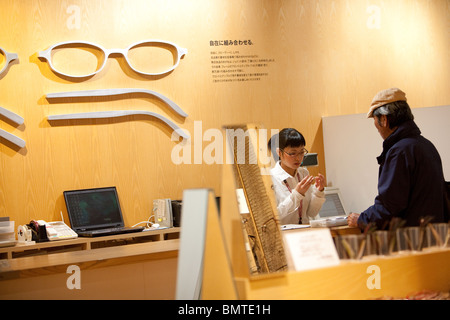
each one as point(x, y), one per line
point(130, 266)
point(369, 278)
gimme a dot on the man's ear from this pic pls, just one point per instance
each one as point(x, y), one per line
point(383, 121)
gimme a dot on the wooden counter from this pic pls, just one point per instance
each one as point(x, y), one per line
point(398, 276)
point(130, 266)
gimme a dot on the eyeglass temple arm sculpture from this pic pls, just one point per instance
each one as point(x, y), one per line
point(16, 119)
point(112, 92)
point(120, 113)
point(12, 138)
point(11, 116)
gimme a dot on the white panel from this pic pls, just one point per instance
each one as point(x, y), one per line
point(352, 143)
point(192, 244)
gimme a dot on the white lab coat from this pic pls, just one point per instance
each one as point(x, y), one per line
point(288, 202)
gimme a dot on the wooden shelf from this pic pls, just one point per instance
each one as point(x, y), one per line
point(112, 267)
point(399, 275)
point(24, 257)
point(25, 250)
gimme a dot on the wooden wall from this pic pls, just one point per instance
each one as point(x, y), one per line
point(322, 58)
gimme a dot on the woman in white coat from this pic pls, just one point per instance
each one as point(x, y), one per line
point(299, 195)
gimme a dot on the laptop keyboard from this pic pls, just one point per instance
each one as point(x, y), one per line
point(110, 231)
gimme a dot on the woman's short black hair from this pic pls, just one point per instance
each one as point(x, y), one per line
point(287, 137)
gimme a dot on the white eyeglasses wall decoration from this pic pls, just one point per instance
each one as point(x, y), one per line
point(16, 119)
point(9, 57)
point(176, 51)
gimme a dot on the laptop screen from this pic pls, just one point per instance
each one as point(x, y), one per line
point(91, 209)
point(333, 205)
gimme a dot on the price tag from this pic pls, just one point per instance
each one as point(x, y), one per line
point(310, 249)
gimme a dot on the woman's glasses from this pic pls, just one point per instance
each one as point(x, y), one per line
point(148, 57)
point(296, 154)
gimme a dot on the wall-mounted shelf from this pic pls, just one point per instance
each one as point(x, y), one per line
point(15, 258)
point(112, 267)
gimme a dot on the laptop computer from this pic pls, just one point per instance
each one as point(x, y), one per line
point(333, 212)
point(96, 212)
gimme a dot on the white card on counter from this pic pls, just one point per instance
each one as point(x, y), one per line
point(311, 249)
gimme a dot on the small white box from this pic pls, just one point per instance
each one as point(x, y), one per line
point(7, 233)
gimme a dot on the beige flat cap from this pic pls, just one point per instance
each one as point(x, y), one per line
point(385, 96)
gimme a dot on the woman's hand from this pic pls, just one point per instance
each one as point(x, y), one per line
point(304, 185)
point(320, 182)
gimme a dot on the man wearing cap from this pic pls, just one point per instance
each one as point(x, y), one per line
point(410, 177)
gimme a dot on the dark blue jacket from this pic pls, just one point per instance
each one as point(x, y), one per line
point(410, 180)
